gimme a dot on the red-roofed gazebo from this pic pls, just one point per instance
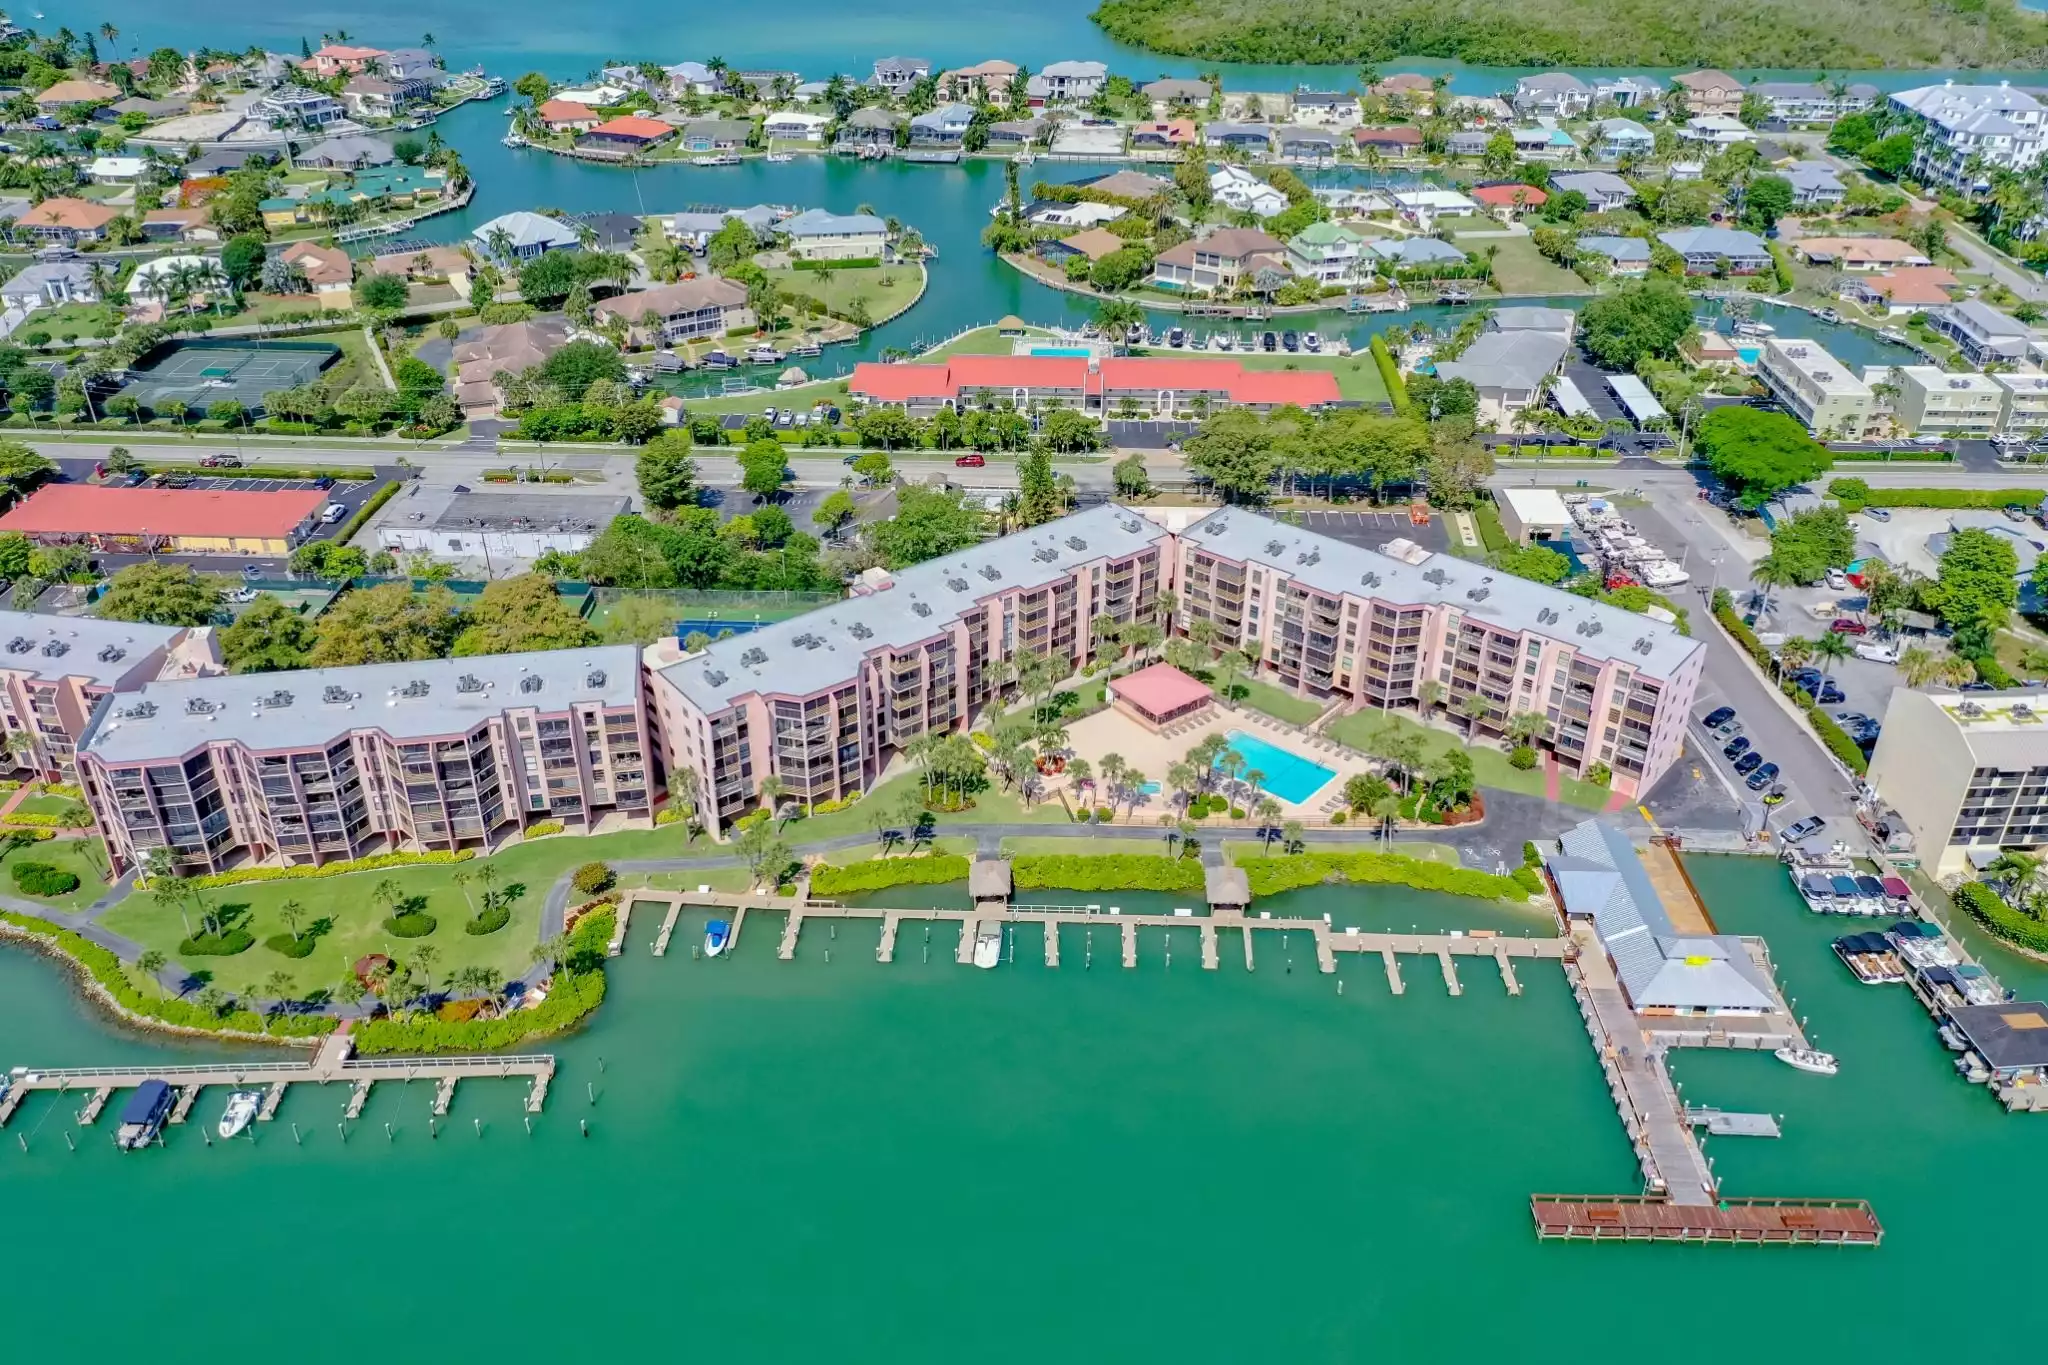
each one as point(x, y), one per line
point(1159, 695)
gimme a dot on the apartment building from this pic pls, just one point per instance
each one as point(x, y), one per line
point(1963, 132)
point(2025, 406)
point(1159, 385)
point(1966, 772)
point(335, 763)
point(1329, 619)
point(1934, 402)
point(1818, 389)
point(55, 669)
point(825, 700)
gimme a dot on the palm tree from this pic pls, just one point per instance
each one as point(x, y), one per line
point(425, 957)
point(1919, 666)
point(1794, 653)
point(771, 788)
point(1254, 778)
point(1430, 694)
point(169, 892)
point(1133, 788)
point(1383, 812)
point(152, 962)
point(278, 987)
point(464, 879)
point(1831, 647)
point(1268, 811)
point(1473, 708)
point(293, 914)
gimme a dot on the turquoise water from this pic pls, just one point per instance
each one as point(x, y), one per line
point(1750, 354)
point(1061, 350)
point(1289, 776)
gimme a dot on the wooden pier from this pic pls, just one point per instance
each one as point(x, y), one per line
point(668, 928)
point(1209, 954)
point(1760, 1222)
point(620, 921)
point(188, 1095)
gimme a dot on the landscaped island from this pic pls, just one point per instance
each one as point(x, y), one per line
point(1784, 34)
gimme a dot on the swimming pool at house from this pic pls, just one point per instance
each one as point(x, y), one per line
point(1289, 776)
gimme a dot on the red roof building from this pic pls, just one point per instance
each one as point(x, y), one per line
point(1158, 385)
point(174, 519)
point(1512, 197)
point(568, 114)
point(628, 131)
point(1159, 695)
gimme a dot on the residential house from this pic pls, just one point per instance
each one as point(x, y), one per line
point(1715, 130)
point(603, 95)
point(508, 348)
point(1937, 402)
point(1175, 95)
point(338, 59)
point(1555, 94)
point(1464, 142)
point(2025, 406)
point(1816, 388)
point(1419, 91)
point(1706, 249)
point(1424, 206)
point(1508, 366)
point(1134, 185)
point(761, 84)
point(65, 94)
point(790, 125)
point(627, 135)
point(1624, 255)
point(1478, 111)
point(1510, 200)
point(327, 270)
point(413, 64)
point(701, 135)
point(1402, 252)
point(1399, 141)
point(1903, 290)
point(1060, 213)
point(1306, 144)
point(945, 126)
point(57, 275)
point(180, 225)
point(610, 231)
point(1710, 93)
point(1628, 92)
point(428, 265)
point(1814, 184)
point(384, 97)
point(400, 186)
point(983, 81)
point(115, 170)
point(1257, 106)
point(1545, 141)
point(1327, 108)
point(1018, 134)
point(1966, 131)
point(150, 109)
point(706, 307)
point(869, 128)
point(1238, 189)
point(1604, 190)
point(1615, 138)
point(66, 220)
point(1066, 83)
point(1982, 332)
point(1811, 102)
point(1679, 172)
point(1858, 253)
point(566, 116)
point(1161, 386)
point(897, 74)
point(1094, 243)
point(816, 235)
point(691, 78)
point(522, 236)
point(1255, 138)
point(695, 230)
point(295, 106)
point(345, 154)
point(1163, 135)
point(1329, 253)
point(1219, 261)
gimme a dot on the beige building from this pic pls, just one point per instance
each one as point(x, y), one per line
point(1967, 773)
point(2025, 406)
point(1934, 402)
point(1710, 92)
point(1819, 389)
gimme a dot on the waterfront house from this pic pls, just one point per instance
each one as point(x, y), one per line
point(868, 128)
point(702, 135)
point(1424, 206)
point(1094, 243)
point(180, 225)
point(761, 83)
point(1236, 188)
point(1176, 95)
point(1328, 253)
point(1510, 200)
point(1066, 83)
point(1401, 252)
point(1858, 253)
point(1819, 390)
point(1127, 184)
point(1080, 214)
point(414, 63)
point(1811, 102)
point(1163, 135)
point(1464, 142)
point(1814, 184)
point(1253, 138)
point(524, 237)
point(1326, 108)
point(1018, 134)
point(384, 97)
point(1556, 94)
point(706, 307)
point(816, 235)
point(328, 272)
point(340, 59)
point(1419, 90)
point(507, 348)
point(603, 95)
point(695, 230)
point(1903, 290)
point(1508, 366)
point(1628, 92)
point(1604, 190)
point(897, 74)
point(567, 116)
point(1615, 138)
point(345, 154)
point(1624, 255)
point(790, 125)
point(1218, 262)
point(65, 94)
point(1306, 144)
point(1982, 332)
point(1710, 93)
point(627, 135)
point(66, 221)
point(988, 80)
point(57, 275)
point(1964, 132)
point(1257, 106)
point(427, 265)
point(691, 78)
point(295, 106)
point(1398, 141)
point(610, 231)
point(150, 109)
point(945, 126)
point(115, 170)
point(1706, 250)
point(1545, 141)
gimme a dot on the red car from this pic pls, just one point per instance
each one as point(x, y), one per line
point(1845, 626)
point(970, 462)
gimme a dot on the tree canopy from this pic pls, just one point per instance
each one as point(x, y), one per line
point(521, 613)
point(1643, 320)
point(267, 638)
point(386, 625)
point(1813, 542)
point(666, 472)
point(1978, 582)
point(929, 522)
point(162, 595)
point(1759, 454)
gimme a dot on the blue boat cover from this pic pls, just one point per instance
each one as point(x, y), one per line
point(1843, 886)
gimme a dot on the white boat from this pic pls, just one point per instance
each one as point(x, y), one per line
point(780, 157)
point(1754, 329)
point(513, 140)
point(241, 1110)
point(717, 937)
point(988, 943)
point(1809, 1059)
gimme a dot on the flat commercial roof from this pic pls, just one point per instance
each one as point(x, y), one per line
point(529, 512)
point(1642, 405)
point(77, 646)
point(1569, 400)
point(1536, 506)
point(83, 509)
point(2010, 1037)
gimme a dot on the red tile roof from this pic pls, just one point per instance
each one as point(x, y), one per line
point(634, 126)
point(1507, 196)
point(963, 375)
point(84, 509)
point(1402, 136)
point(566, 111)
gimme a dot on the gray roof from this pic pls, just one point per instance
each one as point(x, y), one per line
point(872, 117)
point(1978, 109)
point(1216, 132)
point(528, 228)
point(1598, 874)
point(72, 646)
point(1176, 88)
point(819, 223)
point(1326, 136)
point(1624, 128)
point(1415, 250)
point(1560, 82)
point(1532, 319)
point(529, 512)
point(1075, 70)
point(350, 150)
point(240, 708)
point(1469, 140)
point(1516, 360)
point(733, 129)
point(1508, 602)
point(759, 217)
point(1714, 241)
point(1983, 318)
point(2010, 1036)
point(1617, 248)
point(67, 266)
point(1812, 175)
point(727, 670)
point(1592, 184)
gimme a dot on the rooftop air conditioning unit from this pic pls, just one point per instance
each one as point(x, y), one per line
point(532, 682)
point(594, 678)
point(468, 682)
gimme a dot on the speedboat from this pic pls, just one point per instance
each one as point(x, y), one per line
point(1311, 342)
point(717, 935)
point(242, 1107)
point(1952, 1038)
point(988, 943)
point(1828, 315)
point(1809, 1059)
point(780, 157)
point(142, 1118)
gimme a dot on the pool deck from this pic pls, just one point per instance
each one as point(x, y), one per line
point(1152, 753)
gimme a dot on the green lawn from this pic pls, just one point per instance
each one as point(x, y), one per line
point(43, 804)
point(888, 289)
point(730, 879)
point(981, 341)
point(1236, 850)
point(1357, 377)
point(1366, 730)
point(800, 397)
point(992, 807)
point(1080, 846)
point(78, 319)
point(860, 853)
point(1519, 268)
point(1278, 702)
point(84, 858)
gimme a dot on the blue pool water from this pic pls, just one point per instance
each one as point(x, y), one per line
point(1750, 354)
point(1149, 788)
point(1289, 776)
point(1061, 350)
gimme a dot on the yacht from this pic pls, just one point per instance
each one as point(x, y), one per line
point(514, 140)
point(988, 943)
point(717, 936)
point(1754, 329)
point(1892, 334)
point(1809, 1059)
point(142, 1118)
point(764, 355)
point(242, 1107)
point(1828, 315)
point(1952, 1038)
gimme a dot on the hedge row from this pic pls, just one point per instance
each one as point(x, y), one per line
point(1106, 872)
point(375, 863)
point(851, 263)
point(1834, 736)
point(578, 989)
point(876, 873)
point(2016, 927)
point(1269, 876)
point(105, 969)
point(365, 512)
point(1854, 494)
point(1397, 391)
point(37, 819)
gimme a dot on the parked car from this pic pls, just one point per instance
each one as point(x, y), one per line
point(970, 461)
point(323, 482)
point(1762, 777)
point(242, 595)
point(1804, 829)
point(220, 461)
point(1877, 513)
point(1837, 579)
point(1843, 625)
point(332, 513)
point(1879, 651)
point(1748, 763)
point(174, 481)
point(1720, 715)
point(849, 459)
point(2014, 513)
point(1730, 728)
point(1827, 694)
point(1737, 747)
point(251, 571)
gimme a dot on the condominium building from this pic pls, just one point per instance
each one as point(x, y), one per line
point(2025, 407)
point(55, 669)
point(1936, 402)
point(1330, 619)
point(1967, 773)
point(1819, 390)
point(1158, 385)
point(337, 763)
point(824, 701)
point(1964, 132)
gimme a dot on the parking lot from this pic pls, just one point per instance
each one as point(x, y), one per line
point(1373, 529)
point(338, 492)
point(1146, 434)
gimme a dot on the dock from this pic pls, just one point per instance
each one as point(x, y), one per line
point(188, 1095)
point(1507, 972)
point(1450, 973)
point(1764, 1222)
point(620, 921)
point(1720, 1123)
point(786, 950)
point(893, 920)
point(668, 928)
point(1209, 954)
point(1393, 964)
point(1052, 945)
point(94, 1105)
point(1131, 943)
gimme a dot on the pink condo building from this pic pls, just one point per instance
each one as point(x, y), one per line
point(55, 669)
point(336, 763)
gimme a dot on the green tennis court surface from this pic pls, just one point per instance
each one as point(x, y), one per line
point(201, 374)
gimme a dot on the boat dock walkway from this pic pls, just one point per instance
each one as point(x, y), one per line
point(333, 1062)
point(1644, 1218)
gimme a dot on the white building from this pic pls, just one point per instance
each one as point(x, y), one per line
point(115, 170)
point(1819, 389)
point(1934, 402)
point(1532, 514)
point(1968, 773)
point(2025, 406)
point(498, 529)
point(2000, 126)
point(1234, 187)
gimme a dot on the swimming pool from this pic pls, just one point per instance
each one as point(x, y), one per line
point(1289, 776)
point(1061, 350)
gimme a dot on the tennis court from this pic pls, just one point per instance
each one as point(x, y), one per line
point(199, 374)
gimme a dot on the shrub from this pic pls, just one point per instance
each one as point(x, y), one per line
point(411, 924)
point(1106, 872)
point(1397, 392)
point(876, 873)
point(2016, 927)
point(225, 944)
point(302, 946)
point(1855, 494)
point(41, 879)
point(542, 828)
point(578, 989)
point(67, 789)
point(1269, 876)
point(1103, 814)
point(591, 878)
point(488, 921)
point(365, 512)
point(1336, 817)
point(1523, 757)
point(1600, 774)
point(35, 819)
point(374, 863)
point(1237, 812)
